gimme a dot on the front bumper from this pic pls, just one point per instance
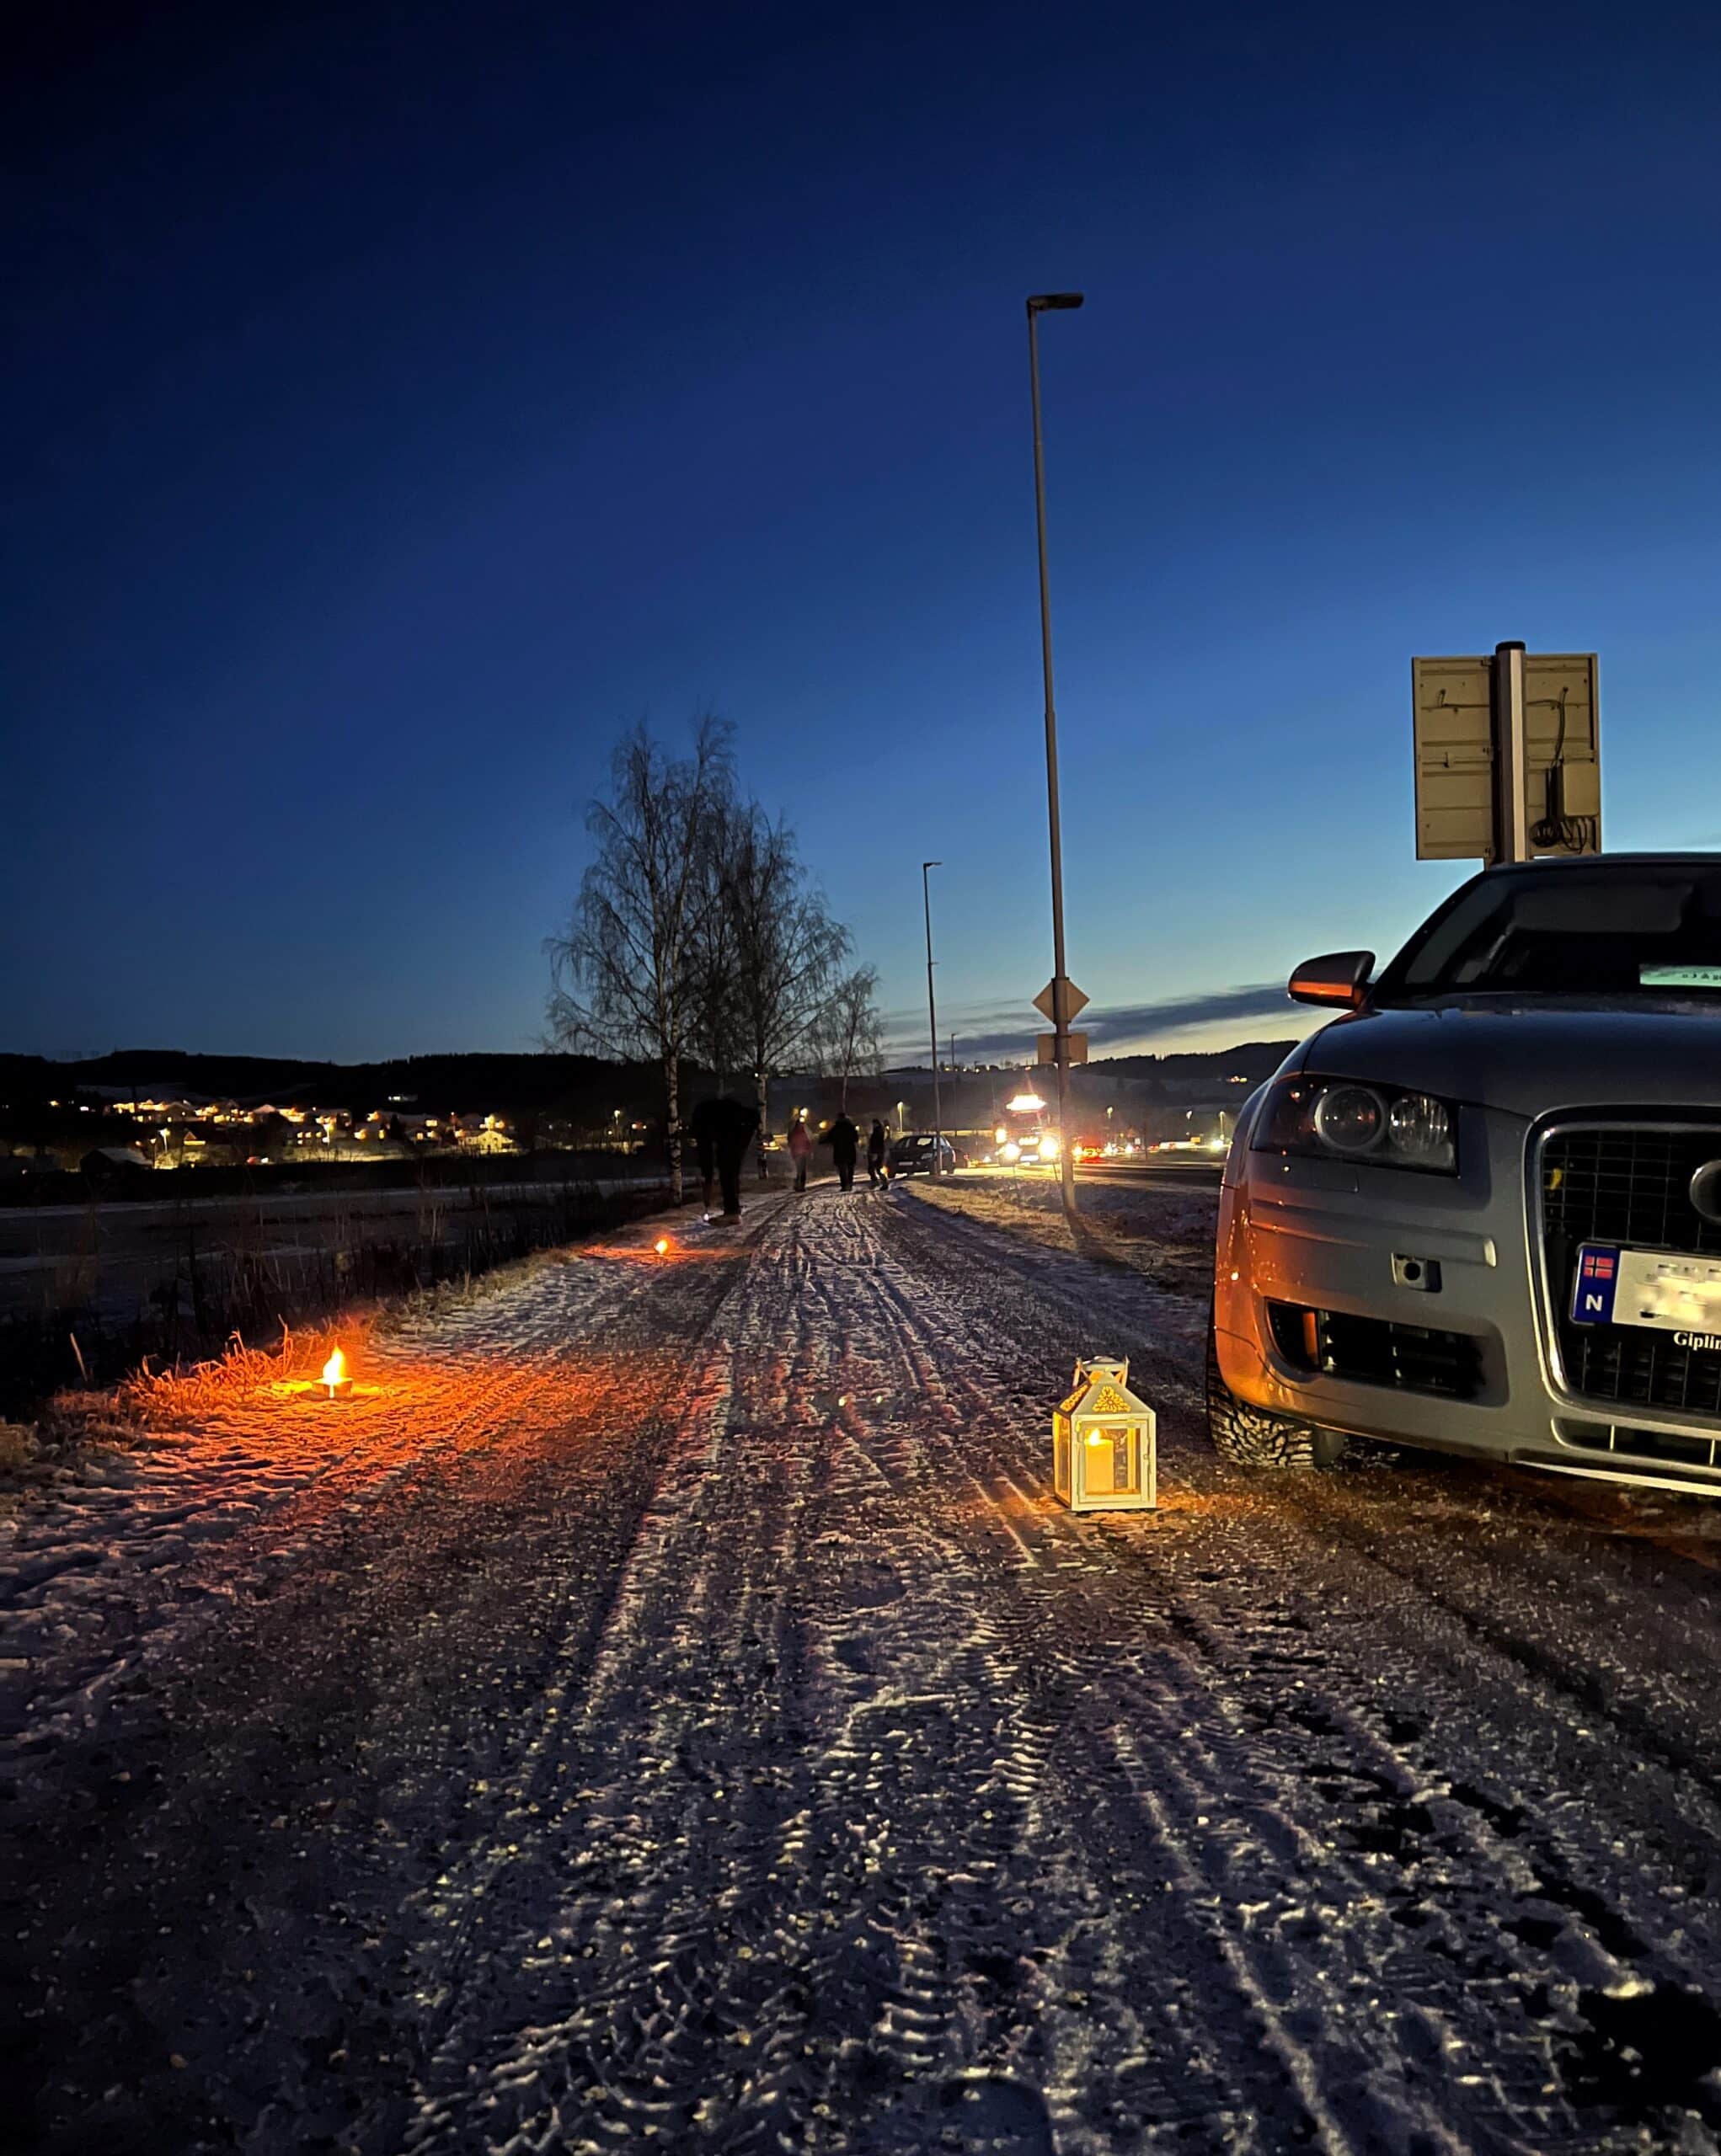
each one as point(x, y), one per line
point(1455, 1263)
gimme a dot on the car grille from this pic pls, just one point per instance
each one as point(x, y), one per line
point(1374, 1351)
point(1676, 1449)
point(1628, 1186)
point(1630, 1365)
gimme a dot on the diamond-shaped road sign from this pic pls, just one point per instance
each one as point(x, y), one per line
point(1046, 1002)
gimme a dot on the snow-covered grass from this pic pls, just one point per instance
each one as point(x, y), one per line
point(1167, 1235)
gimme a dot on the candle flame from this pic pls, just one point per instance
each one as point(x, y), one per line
point(661, 1246)
point(334, 1370)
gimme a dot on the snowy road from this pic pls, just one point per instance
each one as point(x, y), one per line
point(669, 1711)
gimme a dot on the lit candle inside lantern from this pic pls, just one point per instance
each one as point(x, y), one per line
point(335, 1378)
point(1104, 1442)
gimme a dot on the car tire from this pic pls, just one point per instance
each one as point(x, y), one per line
point(1255, 1437)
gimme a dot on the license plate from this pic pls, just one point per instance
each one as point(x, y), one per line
point(1651, 1288)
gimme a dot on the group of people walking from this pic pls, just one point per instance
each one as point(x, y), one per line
point(722, 1129)
point(844, 1140)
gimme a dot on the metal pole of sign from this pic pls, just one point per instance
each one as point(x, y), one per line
point(1061, 1014)
point(1511, 795)
point(926, 891)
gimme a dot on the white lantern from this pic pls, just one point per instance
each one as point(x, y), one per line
point(1104, 1442)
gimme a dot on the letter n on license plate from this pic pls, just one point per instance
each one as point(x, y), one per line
point(1593, 1286)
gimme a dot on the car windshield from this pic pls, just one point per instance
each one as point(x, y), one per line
point(1626, 928)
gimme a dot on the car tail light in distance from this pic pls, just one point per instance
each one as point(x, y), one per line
point(1340, 1119)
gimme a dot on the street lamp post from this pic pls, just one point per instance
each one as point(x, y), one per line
point(1042, 303)
point(926, 891)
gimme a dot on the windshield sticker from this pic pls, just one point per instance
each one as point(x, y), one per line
point(1679, 976)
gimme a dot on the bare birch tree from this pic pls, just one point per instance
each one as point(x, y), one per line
point(626, 977)
point(718, 1036)
point(786, 947)
point(848, 1035)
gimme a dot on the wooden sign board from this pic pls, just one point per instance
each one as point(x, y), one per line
point(1452, 706)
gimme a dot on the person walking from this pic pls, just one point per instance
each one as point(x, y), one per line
point(875, 1155)
point(844, 1141)
point(800, 1148)
point(721, 1129)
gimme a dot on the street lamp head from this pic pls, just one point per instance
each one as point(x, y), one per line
point(1046, 303)
point(925, 865)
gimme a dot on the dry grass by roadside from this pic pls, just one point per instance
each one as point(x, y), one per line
point(77, 1424)
point(1166, 1236)
point(153, 1399)
point(18, 1446)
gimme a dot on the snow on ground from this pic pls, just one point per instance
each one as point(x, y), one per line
point(1158, 1229)
point(672, 1711)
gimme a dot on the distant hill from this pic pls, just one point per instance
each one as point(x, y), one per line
point(568, 1085)
point(582, 1088)
point(1251, 1059)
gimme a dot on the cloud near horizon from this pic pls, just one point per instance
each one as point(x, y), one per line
point(996, 1034)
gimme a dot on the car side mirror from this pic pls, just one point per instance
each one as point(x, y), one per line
point(1341, 977)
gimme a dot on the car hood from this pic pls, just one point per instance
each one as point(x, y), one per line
point(1532, 1057)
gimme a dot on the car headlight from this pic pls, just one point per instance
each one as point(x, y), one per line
point(1049, 1146)
point(1342, 1119)
point(1010, 1152)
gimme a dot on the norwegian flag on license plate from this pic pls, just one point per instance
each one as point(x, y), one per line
point(1593, 1289)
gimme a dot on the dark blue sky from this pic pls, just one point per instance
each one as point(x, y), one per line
point(405, 398)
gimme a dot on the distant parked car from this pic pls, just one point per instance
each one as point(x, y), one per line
point(911, 1155)
point(1481, 1211)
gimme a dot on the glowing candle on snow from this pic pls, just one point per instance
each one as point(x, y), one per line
point(335, 1378)
point(661, 1246)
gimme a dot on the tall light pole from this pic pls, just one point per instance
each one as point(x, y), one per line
point(1043, 303)
point(926, 893)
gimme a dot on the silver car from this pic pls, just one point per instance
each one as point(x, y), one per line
point(1481, 1212)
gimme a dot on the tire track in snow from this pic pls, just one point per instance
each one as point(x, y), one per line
point(765, 1932)
point(1255, 2007)
point(920, 1824)
point(388, 1664)
point(1584, 1882)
